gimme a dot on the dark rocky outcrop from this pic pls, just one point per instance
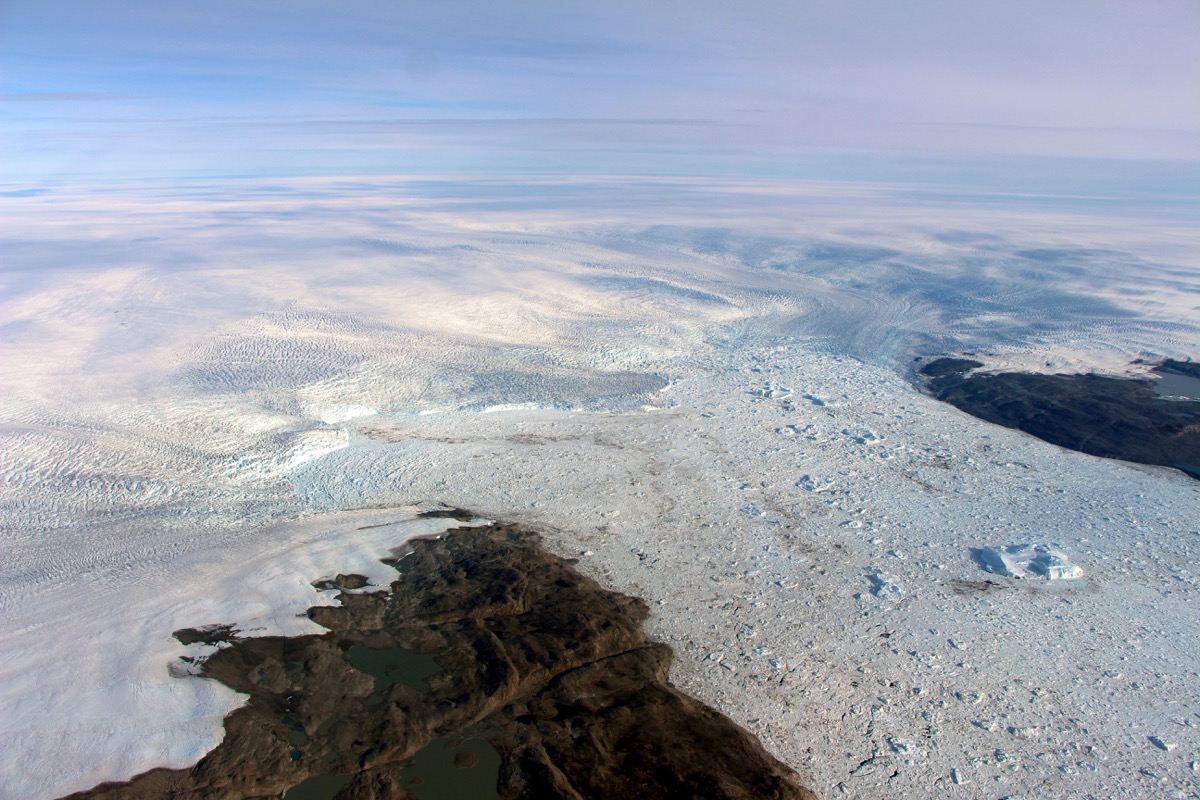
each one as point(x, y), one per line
point(1111, 417)
point(489, 657)
point(1189, 369)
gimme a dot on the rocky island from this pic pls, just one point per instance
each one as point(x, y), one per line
point(490, 668)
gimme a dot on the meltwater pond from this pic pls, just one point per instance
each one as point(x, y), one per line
point(1178, 386)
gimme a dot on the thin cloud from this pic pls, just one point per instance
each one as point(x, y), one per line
point(59, 97)
point(774, 81)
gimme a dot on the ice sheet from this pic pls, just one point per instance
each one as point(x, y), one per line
point(89, 693)
point(201, 389)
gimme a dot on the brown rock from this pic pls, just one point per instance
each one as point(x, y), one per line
point(541, 662)
point(1119, 418)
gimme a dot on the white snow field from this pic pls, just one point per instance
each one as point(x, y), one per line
point(211, 393)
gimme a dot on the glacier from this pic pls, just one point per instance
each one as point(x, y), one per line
point(702, 390)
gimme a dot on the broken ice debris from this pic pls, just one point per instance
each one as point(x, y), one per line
point(1022, 560)
point(810, 484)
point(771, 391)
point(862, 435)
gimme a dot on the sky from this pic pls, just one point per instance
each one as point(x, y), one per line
point(142, 320)
point(169, 89)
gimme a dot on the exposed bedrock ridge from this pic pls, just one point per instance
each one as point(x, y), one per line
point(552, 670)
point(1120, 418)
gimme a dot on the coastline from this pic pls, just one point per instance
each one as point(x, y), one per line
point(549, 675)
point(764, 534)
point(1121, 418)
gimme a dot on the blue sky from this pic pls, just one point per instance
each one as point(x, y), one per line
point(172, 89)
